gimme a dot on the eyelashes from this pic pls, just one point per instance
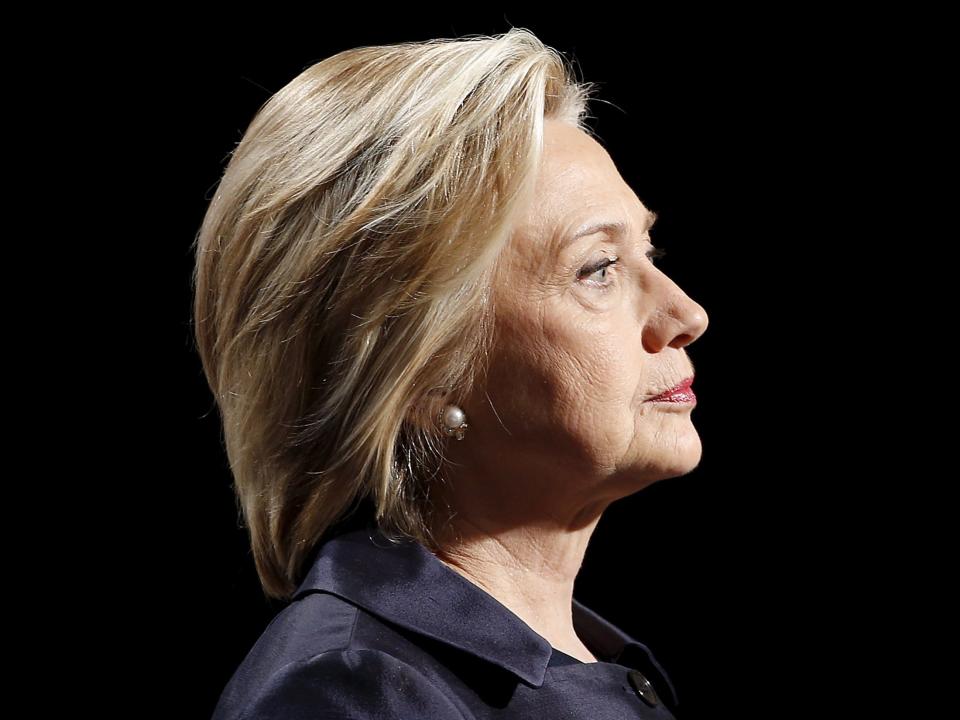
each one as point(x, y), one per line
point(590, 270)
point(654, 253)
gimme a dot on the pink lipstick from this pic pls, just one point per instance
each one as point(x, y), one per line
point(682, 393)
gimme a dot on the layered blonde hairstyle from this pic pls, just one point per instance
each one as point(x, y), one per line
point(344, 269)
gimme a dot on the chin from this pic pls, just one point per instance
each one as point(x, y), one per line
point(685, 456)
point(671, 462)
point(675, 458)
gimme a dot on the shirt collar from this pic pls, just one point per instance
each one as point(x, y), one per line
point(407, 585)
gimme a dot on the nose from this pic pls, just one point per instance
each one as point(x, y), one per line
point(677, 321)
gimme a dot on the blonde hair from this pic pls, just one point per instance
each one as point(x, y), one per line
point(343, 271)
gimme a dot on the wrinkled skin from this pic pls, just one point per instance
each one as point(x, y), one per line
point(559, 428)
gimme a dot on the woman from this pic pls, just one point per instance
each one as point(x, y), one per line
point(424, 289)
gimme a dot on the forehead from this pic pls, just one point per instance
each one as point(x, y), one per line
point(578, 182)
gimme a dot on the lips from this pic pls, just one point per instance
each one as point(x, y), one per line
point(681, 393)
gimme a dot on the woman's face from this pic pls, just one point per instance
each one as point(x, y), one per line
point(561, 418)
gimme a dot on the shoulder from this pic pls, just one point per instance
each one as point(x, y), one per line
point(348, 684)
point(322, 657)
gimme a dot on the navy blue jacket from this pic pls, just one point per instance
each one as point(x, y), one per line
point(378, 630)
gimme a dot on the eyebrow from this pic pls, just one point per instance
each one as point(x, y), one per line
point(614, 228)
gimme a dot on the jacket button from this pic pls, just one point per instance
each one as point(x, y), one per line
point(643, 687)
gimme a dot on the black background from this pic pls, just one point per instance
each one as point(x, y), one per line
point(768, 146)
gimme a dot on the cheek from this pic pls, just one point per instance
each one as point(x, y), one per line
point(559, 368)
point(594, 365)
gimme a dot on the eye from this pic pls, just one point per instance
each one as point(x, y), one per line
point(601, 267)
point(596, 269)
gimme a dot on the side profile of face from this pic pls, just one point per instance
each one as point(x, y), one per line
point(588, 329)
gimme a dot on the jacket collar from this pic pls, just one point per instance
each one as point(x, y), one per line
point(407, 585)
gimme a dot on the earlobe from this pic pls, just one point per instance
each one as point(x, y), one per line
point(435, 412)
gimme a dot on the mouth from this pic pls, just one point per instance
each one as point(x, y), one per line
point(681, 393)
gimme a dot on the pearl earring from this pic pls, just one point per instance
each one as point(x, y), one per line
point(453, 421)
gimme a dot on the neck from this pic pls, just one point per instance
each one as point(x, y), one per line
point(529, 569)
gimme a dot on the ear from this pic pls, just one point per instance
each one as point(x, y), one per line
point(423, 412)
